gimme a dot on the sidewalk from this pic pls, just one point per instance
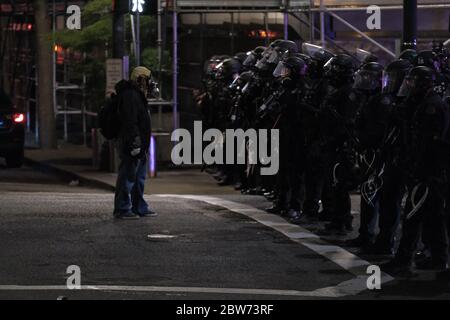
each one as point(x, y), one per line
point(74, 162)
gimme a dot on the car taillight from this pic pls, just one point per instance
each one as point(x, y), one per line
point(18, 118)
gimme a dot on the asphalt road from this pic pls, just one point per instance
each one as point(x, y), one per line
point(220, 247)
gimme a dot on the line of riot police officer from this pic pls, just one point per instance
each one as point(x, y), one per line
point(345, 126)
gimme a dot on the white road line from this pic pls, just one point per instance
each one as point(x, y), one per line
point(346, 260)
point(328, 292)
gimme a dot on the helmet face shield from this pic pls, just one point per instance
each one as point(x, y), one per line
point(274, 57)
point(262, 64)
point(328, 67)
point(219, 71)
point(407, 87)
point(391, 82)
point(366, 80)
point(281, 71)
point(250, 61)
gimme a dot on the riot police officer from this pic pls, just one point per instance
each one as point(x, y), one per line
point(337, 119)
point(370, 129)
point(392, 176)
point(290, 73)
point(425, 125)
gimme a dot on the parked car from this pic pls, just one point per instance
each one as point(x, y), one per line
point(12, 132)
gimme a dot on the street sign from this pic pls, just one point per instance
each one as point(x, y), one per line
point(114, 73)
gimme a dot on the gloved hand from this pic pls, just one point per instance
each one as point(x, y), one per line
point(135, 152)
point(136, 147)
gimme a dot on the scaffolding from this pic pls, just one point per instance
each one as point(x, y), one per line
point(288, 8)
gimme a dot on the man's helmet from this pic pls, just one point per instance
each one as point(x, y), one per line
point(394, 75)
point(142, 78)
point(368, 77)
point(139, 73)
point(365, 56)
point(418, 82)
point(279, 51)
point(408, 54)
point(240, 56)
point(317, 53)
point(293, 67)
point(339, 69)
point(227, 69)
point(428, 59)
point(318, 56)
point(253, 57)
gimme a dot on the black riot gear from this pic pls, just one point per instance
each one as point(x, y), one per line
point(227, 69)
point(339, 69)
point(292, 67)
point(253, 57)
point(418, 82)
point(316, 52)
point(408, 54)
point(394, 75)
point(368, 78)
point(283, 49)
point(319, 57)
point(240, 56)
point(365, 56)
point(428, 59)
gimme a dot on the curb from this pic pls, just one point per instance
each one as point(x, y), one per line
point(69, 175)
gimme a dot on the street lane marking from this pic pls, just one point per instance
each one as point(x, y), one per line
point(328, 292)
point(346, 260)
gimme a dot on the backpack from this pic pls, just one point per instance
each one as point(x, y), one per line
point(109, 120)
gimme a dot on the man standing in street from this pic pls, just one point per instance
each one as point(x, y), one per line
point(132, 145)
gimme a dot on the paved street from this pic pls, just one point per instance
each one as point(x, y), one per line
point(219, 246)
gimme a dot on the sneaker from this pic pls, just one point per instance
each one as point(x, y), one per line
point(293, 214)
point(127, 216)
point(273, 209)
point(148, 214)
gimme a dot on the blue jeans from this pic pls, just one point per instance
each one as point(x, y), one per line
point(130, 186)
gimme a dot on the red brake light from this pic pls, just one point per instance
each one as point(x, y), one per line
point(18, 117)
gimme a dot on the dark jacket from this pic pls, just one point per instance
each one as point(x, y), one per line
point(136, 122)
point(427, 128)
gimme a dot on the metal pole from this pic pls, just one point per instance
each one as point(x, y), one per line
point(409, 24)
point(118, 35)
point(266, 26)
point(138, 39)
point(286, 25)
point(362, 33)
point(322, 24)
point(159, 43)
point(175, 68)
point(55, 107)
point(232, 33)
point(311, 22)
point(83, 112)
point(133, 33)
